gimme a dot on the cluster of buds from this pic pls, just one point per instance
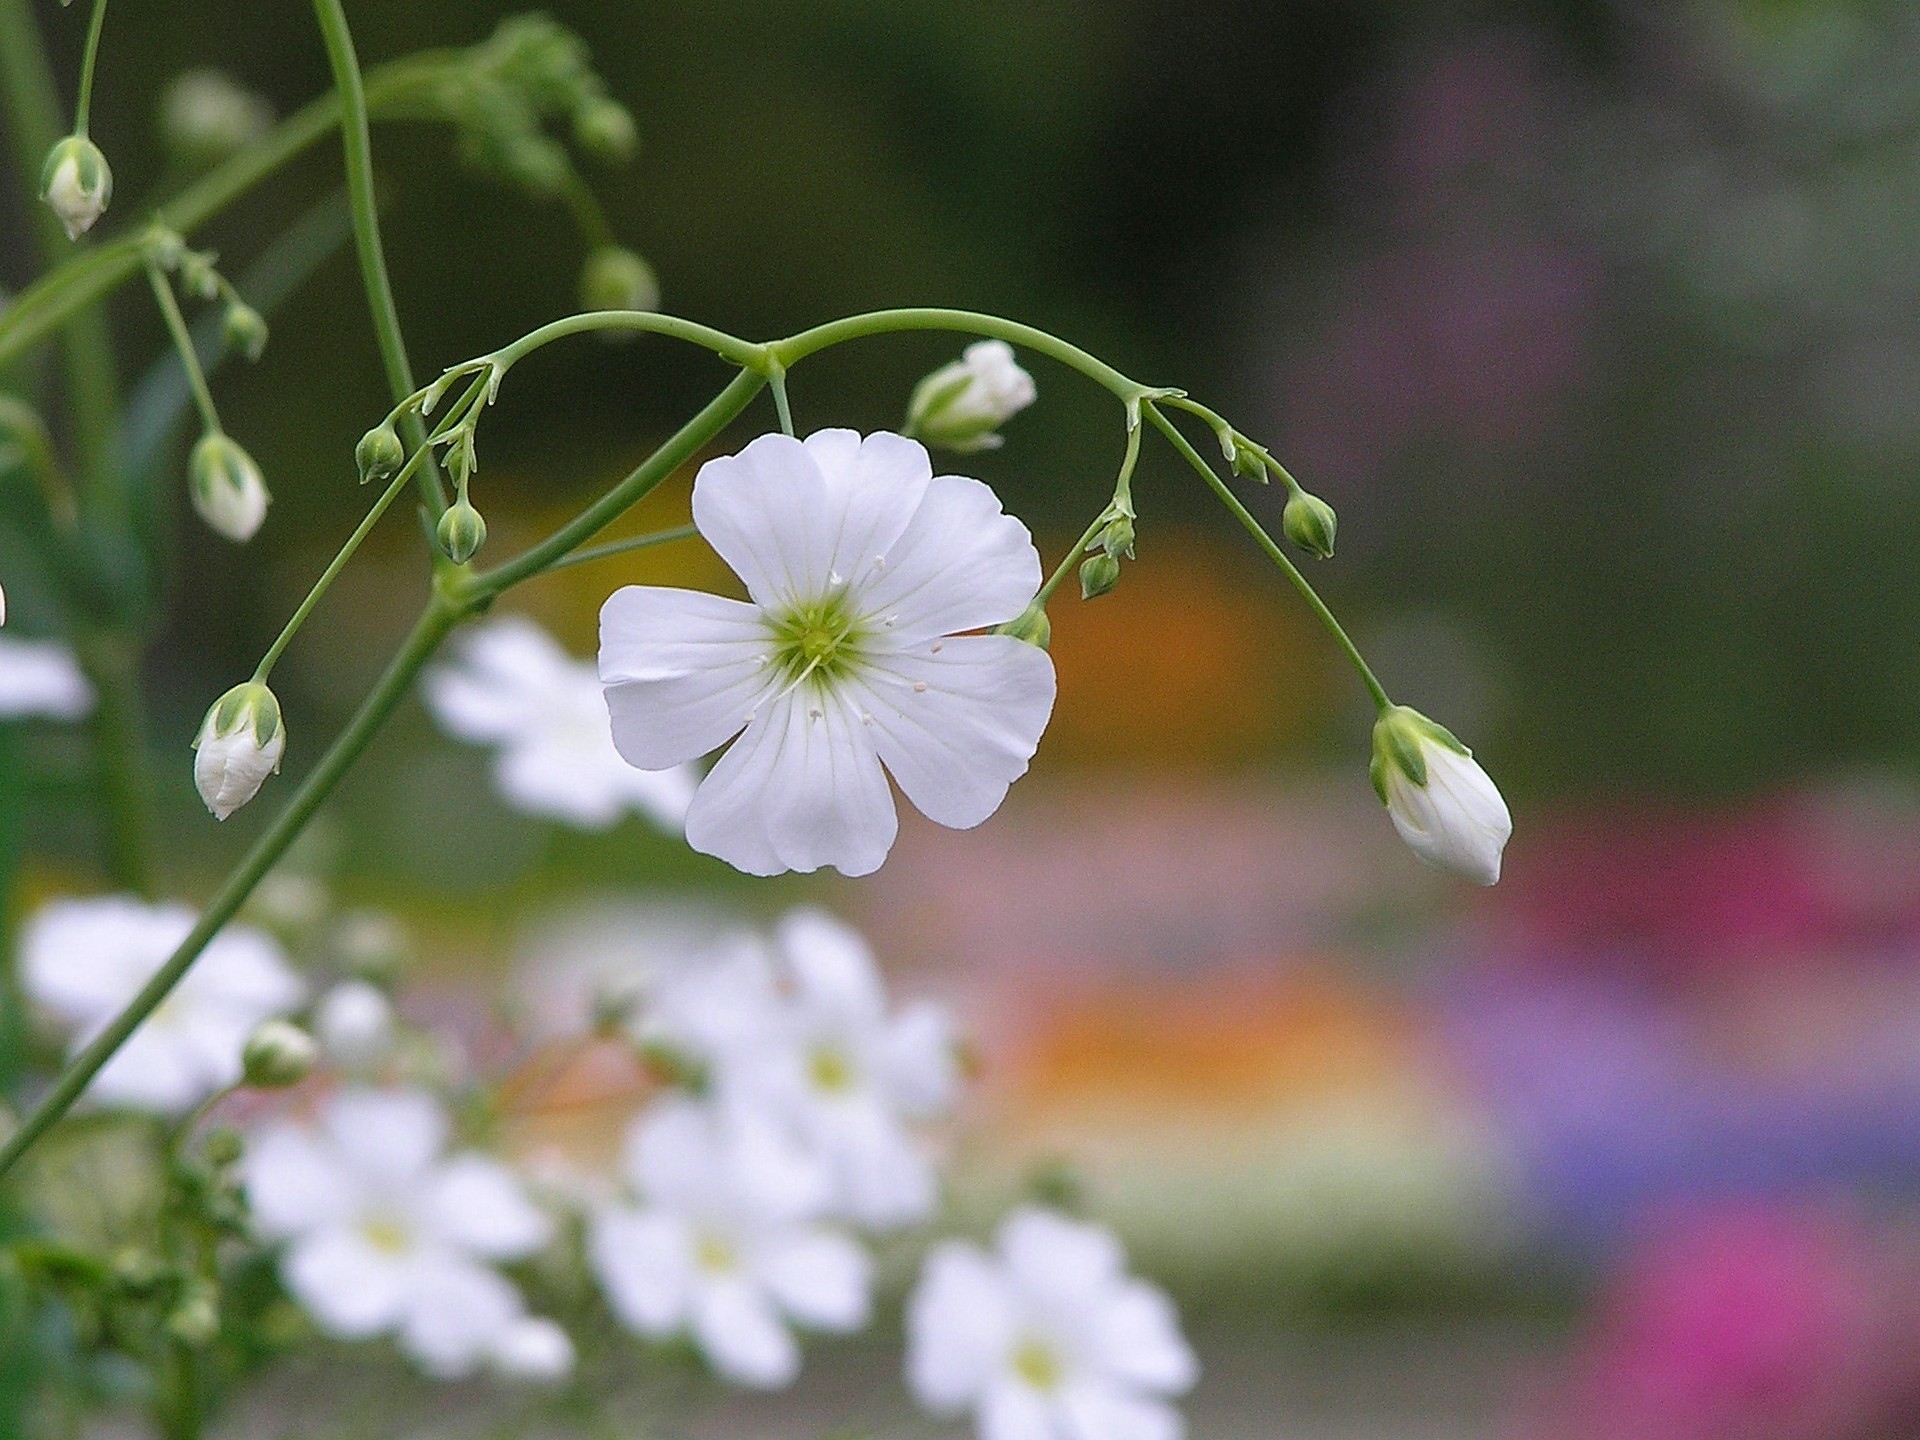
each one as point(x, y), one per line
point(961, 406)
point(1100, 571)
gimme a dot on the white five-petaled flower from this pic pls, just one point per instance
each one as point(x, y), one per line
point(83, 960)
point(862, 567)
point(41, 677)
point(961, 405)
point(1444, 805)
point(845, 1076)
point(1047, 1338)
point(724, 1244)
point(512, 686)
point(388, 1235)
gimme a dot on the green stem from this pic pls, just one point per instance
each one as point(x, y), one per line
point(778, 379)
point(884, 322)
point(183, 342)
point(1274, 553)
point(357, 139)
point(731, 348)
point(77, 282)
point(1067, 561)
point(685, 443)
point(335, 566)
point(84, 107)
point(624, 547)
point(93, 386)
point(439, 618)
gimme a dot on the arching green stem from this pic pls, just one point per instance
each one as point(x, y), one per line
point(183, 342)
point(1274, 553)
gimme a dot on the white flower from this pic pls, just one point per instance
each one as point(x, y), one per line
point(207, 115)
point(354, 1024)
point(846, 1076)
point(723, 1244)
point(533, 1349)
point(388, 1236)
point(1443, 804)
point(238, 747)
point(513, 687)
point(862, 567)
point(961, 405)
point(41, 677)
point(76, 183)
point(226, 487)
point(1046, 1339)
point(83, 960)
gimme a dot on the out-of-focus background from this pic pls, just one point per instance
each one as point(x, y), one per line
point(1599, 323)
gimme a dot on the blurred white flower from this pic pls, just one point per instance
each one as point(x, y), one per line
point(723, 1244)
point(961, 405)
point(845, 1075)
point(1444, 805)
point(387, 1235)
point(1047, 1338)
point(41, 677)
point(534, 1349)
point(83, 960)
point(354, 1024)
point(206, 115)
point(863, 567)
point(513, 687)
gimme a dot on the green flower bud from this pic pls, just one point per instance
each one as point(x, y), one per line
point(277, 1054)
point(379, 453)
point(1310, 522)
point(604, 128)
point(614, 278)
point(196, 1319)
point(226, 487)
point(1098, 574)
point(198, 277)
point(1031, 625)
point(223, 1147)
point(244, 330)
point(76, 183)
point(461, 532)
point(1117, 538)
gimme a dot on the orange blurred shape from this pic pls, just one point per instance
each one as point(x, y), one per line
point(1237, 1045)
point(1195, 659)
point(566, 1107)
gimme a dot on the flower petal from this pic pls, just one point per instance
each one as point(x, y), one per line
point(456, 1316)
point(1097, 1412)
point(683, 671)
point(295, 1183)
point(478, 1204)
point(956, 720)
point(742, 1335)
point(794, 519)
point(960, 1324)
point(820, 1278)
point(963, 563)
point(643, 1259)
point(919, 1059)
point(1057, 1259)
point(1135, 1337)
point(801, 789)
point(496, 686)
point(392, 1135)
point(832, 967)
point(1012, 1411)
point(351, 1288)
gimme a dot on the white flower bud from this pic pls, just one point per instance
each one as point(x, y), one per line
point(277, 1054)
point(76, 183)
point(239, 745)
point(1440, 800)
point(961, 405)
point(533, 1349)
point(205, 116)
point(227, 487)
point(355, 1024)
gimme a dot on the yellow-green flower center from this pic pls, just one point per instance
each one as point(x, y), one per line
point(1035, 1362)
point(830, 1069)
point(714, 1253)
point(818, 640)
point(386, 1235)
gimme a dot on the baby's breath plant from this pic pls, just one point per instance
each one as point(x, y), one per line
point(895, 634)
